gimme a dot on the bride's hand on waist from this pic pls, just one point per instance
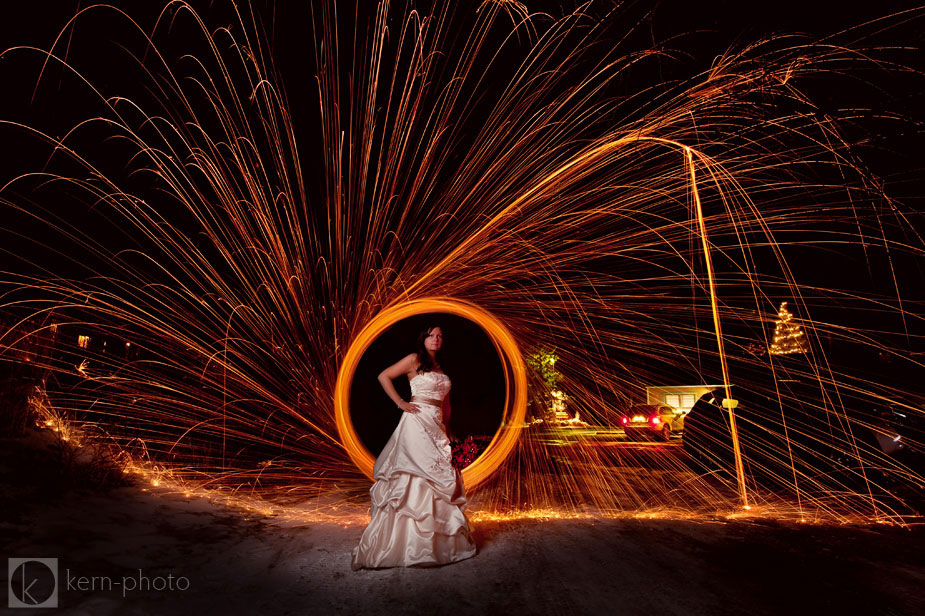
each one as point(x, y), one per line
point(408, 407)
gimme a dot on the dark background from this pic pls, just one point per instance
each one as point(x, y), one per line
point(889, 148)
point(468, 357)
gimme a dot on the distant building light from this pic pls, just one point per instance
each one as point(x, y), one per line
point(83, 341)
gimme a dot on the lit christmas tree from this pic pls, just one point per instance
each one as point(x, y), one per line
point(788, 335)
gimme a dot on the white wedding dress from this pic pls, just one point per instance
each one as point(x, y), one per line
point(416, 514)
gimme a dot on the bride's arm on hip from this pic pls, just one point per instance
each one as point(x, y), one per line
point(402, 366)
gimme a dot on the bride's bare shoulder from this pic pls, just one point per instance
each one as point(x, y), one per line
point(413, 363)
point(405, 365)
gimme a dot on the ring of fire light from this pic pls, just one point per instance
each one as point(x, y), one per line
point(515, 405)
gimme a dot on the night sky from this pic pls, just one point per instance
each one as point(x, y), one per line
point(701, 29)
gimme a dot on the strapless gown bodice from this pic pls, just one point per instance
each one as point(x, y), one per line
point(431, 385)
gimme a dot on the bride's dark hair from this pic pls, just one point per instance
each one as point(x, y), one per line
point(427, 364)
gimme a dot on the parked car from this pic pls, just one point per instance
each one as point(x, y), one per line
point(707, 437)
point(652, 420)
point(786, 434)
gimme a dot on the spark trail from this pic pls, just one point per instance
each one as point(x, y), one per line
point(527, 164)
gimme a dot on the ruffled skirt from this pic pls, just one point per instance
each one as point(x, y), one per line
point(417, 502)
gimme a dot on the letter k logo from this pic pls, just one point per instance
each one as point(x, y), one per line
point(32, 582)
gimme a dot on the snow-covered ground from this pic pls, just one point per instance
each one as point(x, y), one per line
point(114, 548)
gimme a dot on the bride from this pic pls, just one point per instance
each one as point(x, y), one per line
point(418, 499)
